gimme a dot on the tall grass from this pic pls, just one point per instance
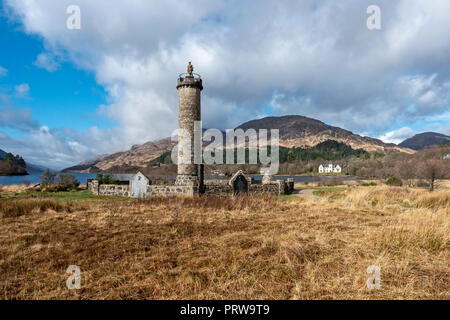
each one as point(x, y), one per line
point(433, 200)
point(255, 247)
point(15, 208)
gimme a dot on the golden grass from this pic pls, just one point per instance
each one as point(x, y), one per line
point(15, 208)
point(234, 248)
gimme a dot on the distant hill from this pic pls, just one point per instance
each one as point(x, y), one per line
point(28, 166)
point(295, 131)
point(425, 140)
point(299, 131)
point(11, 165)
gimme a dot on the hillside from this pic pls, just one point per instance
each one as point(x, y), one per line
point(295, 131)
point(11, 165)
point(137, 156)
point(425, 140)
point(299, 131)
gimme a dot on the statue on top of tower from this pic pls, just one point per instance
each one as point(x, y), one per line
point(190, 68)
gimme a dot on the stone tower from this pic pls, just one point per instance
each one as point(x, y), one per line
point(189, 86)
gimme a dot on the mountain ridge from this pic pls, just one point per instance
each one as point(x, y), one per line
point(295, 130)
point(425, 140)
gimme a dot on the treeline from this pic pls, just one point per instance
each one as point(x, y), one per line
point(12, 165)
point(14, 160)
point(327, 150)
point(423, 167)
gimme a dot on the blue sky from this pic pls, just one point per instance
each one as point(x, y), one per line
point(69, 95)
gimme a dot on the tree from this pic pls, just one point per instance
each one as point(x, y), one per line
point(407, 171)
point(105, 179)
point(432, 165)
point(47, 177)
point(67, 181)
point(431, 170)
point(9, 158)
point(394, 181)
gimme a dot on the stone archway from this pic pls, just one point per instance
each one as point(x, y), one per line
point(239, 183)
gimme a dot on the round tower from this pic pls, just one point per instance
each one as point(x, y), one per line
point(189, 86)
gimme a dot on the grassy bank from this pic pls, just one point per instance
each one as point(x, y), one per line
point(260, 247)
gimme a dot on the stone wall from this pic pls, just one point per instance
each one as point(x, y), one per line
point(219, 189)
point(113, 190)
point(171, 191)
point(93, 186)
point(223, 189)
point(216, 181)
point(271, 188)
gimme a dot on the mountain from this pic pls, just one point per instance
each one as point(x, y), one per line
point(35, 168)
point(2, 154)
point(138, 156)
point(85, 165)
point(295, 131)
point(299, 131)
point(425, 140)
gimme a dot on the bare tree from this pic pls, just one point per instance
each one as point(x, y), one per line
point(407, 170)
point(433, 166)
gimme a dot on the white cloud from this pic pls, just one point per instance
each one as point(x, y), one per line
point(398, 136)
point(3, 71)
point(22, 89)
point(17, 119)
point(47, 61)
point(312, 58)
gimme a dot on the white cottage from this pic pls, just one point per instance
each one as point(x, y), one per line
point(138, 185)
point(330, 168)
point(447, 157)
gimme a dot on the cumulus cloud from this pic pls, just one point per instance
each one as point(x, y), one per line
point(22, 90)
point(314, 58)
point(17, 119)
point(47, 61)
point(62, 147)
point(398, 136)
point(3, 71)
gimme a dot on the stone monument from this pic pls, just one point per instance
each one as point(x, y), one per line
point(189, 86)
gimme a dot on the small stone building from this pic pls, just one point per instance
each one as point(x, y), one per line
point(138, 185)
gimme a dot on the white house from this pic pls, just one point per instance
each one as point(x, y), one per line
point(447, 157)
point(330, 168)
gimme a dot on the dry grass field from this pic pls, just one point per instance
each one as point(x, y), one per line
point(265, 247)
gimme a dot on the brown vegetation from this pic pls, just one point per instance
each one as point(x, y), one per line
point(230, 248)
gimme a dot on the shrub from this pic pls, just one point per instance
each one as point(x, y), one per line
point(67, 182)
point(47, 177)
point(105, 179)
point(369, 184)
point(394, 181)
